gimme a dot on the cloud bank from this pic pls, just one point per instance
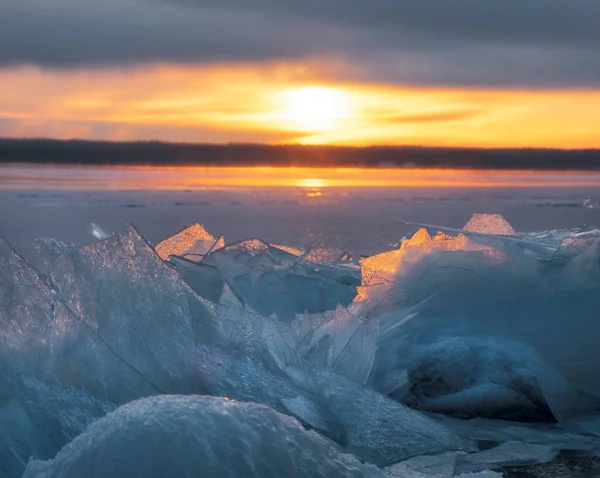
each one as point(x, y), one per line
point(471, 43)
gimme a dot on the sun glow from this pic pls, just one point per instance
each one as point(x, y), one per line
point(313, 108)
point(284, 104)
point(313, 183)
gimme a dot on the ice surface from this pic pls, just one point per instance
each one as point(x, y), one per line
point(481, 474)
point(197, 436)
point(436, 466)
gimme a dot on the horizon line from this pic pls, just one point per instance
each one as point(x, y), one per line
point(292, 145)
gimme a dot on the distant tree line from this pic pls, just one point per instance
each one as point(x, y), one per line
point(157, 153)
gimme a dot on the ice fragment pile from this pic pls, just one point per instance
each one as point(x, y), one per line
point(414, 360)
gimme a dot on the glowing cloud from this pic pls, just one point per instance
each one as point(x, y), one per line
point(285, 103)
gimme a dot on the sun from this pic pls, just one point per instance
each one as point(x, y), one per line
point(315, 108)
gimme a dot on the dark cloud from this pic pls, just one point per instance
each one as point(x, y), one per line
point(538, 22)
point(508, 43)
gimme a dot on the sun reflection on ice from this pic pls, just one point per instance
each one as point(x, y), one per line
point(314, 194)
point(313, 186)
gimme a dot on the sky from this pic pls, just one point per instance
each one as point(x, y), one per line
point(483, 73)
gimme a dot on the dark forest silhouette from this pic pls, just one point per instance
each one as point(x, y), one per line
point(158, 153)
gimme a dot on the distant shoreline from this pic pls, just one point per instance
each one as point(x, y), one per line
point(154, 153)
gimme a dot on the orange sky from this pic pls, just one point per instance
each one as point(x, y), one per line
point(278, 103)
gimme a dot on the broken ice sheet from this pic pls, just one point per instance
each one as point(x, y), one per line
point(346, 343)
point(193, 240)
point(493, 230)
point(500, 431)
point(336, 332)
point(136, 304)
point(497, 285)
point(395, 383)
point(393, 277)
point(272, 281)
point(507, 454)
point(306, 411)
point(589, 424)
point(428, 466)
point(378, 430)
point(245, 377)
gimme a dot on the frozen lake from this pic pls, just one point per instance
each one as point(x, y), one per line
point(352, 210)
point(528, 325)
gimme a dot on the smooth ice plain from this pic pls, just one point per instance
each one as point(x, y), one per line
point(458, 352)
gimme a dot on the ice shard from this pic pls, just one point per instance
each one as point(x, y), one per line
point(346, 343)
point(490, 224)
point(20, 440)
point(132, 300)
point(203, 279)
point(96, 231)
point(79, 357)
point(61, 412)
point(193, 243)
point(377, 429)
point(26, 314)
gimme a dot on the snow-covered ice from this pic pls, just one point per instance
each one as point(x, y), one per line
point(414, 360)
point(191, 436)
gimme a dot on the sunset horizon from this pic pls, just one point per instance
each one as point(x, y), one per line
point(467, 74)
point(291, 145)
point(309, 239)
point(205, 105)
